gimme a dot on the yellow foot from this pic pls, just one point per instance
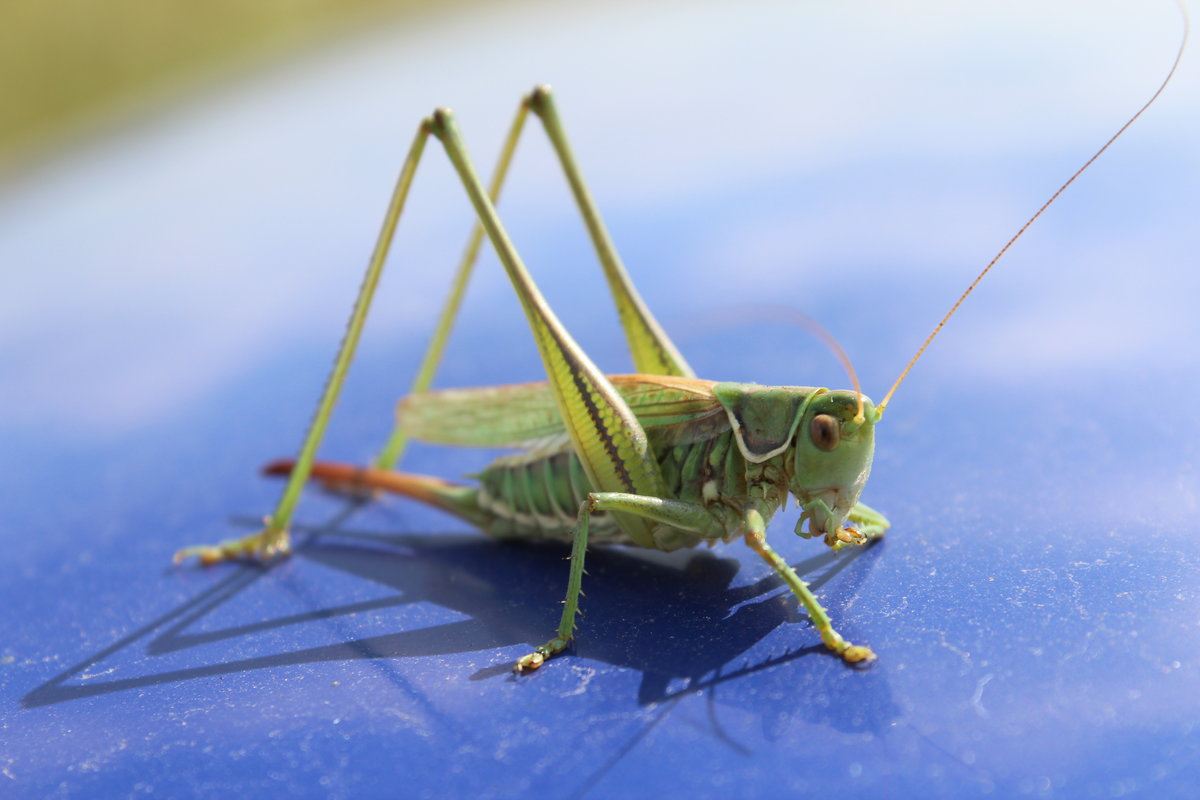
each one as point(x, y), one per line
point(528, 663)
point(846, 537)
point(264, 545)
point(850, 653)
point(858, 654)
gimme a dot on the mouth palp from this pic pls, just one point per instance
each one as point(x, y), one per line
point(822, 513)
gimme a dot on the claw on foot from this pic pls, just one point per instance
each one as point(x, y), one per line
point(858, 654)
point(264, 546)
point(845, 537)
point(529, 663)
point(850, 653)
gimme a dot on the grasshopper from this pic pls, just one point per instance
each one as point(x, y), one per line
point(658, 459)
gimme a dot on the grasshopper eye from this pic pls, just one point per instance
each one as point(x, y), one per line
point(825, 431)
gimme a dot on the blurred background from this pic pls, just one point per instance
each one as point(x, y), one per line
point(224, 167)
point(189, 193)
point(78, 68)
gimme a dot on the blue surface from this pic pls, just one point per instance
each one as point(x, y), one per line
point(172, 298)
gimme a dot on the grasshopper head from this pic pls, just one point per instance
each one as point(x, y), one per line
point(829, 445)
point(832, 454)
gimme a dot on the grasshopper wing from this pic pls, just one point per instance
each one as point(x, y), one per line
point(670, 409)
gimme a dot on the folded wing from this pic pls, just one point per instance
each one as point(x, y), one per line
point(671, 409)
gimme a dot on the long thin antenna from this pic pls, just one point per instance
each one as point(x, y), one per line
point(776, 312)
point(1175, 65)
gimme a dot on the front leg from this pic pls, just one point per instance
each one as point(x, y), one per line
point(868, 523)
point(863, 524)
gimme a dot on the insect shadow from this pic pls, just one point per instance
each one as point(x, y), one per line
point(678, 620)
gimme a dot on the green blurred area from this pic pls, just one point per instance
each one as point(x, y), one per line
point(70, 66)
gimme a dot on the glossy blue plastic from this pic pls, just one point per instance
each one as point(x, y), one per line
point(173, 296)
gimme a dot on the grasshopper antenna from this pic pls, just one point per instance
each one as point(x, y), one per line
point(761, 312)
point(1170, 74)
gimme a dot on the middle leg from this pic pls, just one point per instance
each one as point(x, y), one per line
point(757, 540)
point(683, 516)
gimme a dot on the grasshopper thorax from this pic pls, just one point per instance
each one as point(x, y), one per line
point(825, 451)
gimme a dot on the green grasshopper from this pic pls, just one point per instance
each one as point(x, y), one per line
point(659, 459)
